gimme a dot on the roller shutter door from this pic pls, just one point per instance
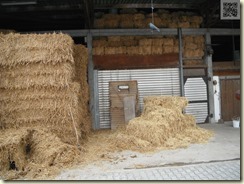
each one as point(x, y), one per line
point(163, 81)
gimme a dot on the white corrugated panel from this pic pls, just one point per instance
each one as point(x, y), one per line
point(163, 81)
point(196, 90)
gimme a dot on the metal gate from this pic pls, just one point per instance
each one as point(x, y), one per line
point(163, 81)
point(196, 93)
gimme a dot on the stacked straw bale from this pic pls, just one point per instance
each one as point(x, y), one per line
point(43, 64)
point(162, 19)
point(193, 46)
point(128, 45)
point(44, 93)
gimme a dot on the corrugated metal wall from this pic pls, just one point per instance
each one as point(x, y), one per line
point(196, 93)
point(163, 81)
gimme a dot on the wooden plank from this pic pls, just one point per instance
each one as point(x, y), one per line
point(129, 108)
point(230, 106)
point(113, 62)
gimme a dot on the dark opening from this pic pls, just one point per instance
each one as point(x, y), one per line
point(12, 166)
point(224, 47)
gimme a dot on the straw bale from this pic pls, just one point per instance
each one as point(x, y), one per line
point(126, 23)
point(168, 41)
point(140, 23)
point(168, 49)
point(98, 50)
point(184, 18)
point(115, 50)
point(196, 19)
point(129, 43)
point(133, 50)
point(145, 42)
point(51, 42)
point(158, 22)
point(138, 16)
point(190, 45)
point(99, 43)
point(99, 23)
point(127, 38)
point(81, 63)
point(176, 49)
point(37, 81)
point(114, 44)
point(111, 23)
point(188, 39)
point(145, 50)
point(184, 25)
point(113, 38)
point(157, 42)
point(172, 25)
point(157, 50)
point(14, 95)
point(35, 69)
point(194, 25)
point(110, 16)
point(199, 40)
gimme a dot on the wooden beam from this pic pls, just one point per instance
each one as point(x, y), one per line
point(114, 62)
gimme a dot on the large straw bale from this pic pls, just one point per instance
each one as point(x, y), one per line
point(81, 63)
point(138, 16)
point(111, 23)
point(47, 48)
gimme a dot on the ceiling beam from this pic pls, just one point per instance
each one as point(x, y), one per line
point(147, 5)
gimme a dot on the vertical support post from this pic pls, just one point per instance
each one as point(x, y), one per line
point(92, 85)
point(208, 61)
point(182, 91)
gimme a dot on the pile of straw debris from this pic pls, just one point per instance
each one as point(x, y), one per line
point(161, 125)
point(43, 101)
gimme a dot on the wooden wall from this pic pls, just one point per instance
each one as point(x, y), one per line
point(230, 106)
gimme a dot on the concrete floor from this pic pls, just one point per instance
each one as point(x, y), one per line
point(224, 146)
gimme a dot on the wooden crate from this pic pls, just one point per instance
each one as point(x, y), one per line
point(119, 92)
